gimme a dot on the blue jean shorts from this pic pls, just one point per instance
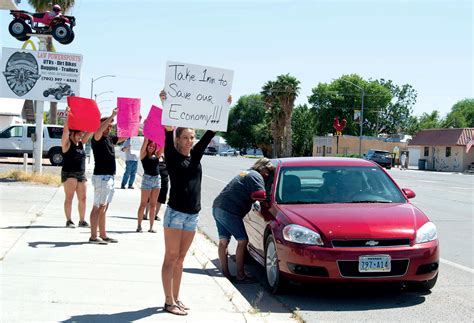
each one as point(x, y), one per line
point(229, 224)
point(179, 220)
point(151, 182)
point(103, 189)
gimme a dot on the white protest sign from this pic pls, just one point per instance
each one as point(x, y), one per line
point(38, 75)
point(196, 96)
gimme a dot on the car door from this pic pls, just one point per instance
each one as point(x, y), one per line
point(11, 140)
point(28, 143)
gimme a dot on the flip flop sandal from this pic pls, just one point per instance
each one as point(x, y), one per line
point(152, 230)
point(174, 309)
point(182, 306)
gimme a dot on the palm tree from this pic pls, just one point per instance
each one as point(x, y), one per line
point(41, 6)
point(280, 96)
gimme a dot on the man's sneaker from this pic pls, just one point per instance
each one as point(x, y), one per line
point(83, 224)
point(122, 187)
point(70, 224)
point(97, 241)
point(109, 240)
point(131, 187)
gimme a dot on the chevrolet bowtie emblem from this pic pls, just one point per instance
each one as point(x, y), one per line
point(371, 243)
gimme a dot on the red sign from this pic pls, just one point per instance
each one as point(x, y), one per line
point(84, 114)
point(153, 128)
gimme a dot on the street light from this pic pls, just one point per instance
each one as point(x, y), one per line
point(96, 79)
point(96, 95)
point(361, 121)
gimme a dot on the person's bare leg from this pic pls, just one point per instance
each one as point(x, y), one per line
point(81, 191)
point(240, 258)
point(186, 240)
point(101, 215)
point(223, 254)
point(145, 195)
point(69, 188)
point(153, 200)
point(172, 245)
point(94, 221)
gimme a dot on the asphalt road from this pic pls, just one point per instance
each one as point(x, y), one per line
point(446, 198)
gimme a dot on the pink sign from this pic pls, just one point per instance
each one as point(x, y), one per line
point(84, 114)
point(153, 129)
point(128, 117)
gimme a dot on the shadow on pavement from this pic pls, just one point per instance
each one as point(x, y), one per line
point(124, 217)
point(116, 317)
point(52, 244)
point(34, 227)
point(213, 272)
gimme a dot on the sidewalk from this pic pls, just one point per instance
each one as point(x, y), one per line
point(52, 273)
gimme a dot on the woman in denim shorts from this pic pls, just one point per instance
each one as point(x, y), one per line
point(151, 181)
point(73, 172)
point(183, 161)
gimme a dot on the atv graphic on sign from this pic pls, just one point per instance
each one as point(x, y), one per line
point(62, 89)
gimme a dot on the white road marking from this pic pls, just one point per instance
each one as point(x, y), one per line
point(216, 179)
point(453, 264)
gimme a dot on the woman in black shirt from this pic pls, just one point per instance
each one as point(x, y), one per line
point(73, 173)
point(183, 161)
point(151, 181)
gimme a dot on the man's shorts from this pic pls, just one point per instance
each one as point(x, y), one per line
point(103, 189)
point(151, 182)
point(179, 220)
point(229, 224)
point(79, 176)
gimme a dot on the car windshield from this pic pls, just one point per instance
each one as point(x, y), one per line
point(336, 184)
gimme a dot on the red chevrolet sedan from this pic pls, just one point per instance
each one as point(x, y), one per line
point(340, 219)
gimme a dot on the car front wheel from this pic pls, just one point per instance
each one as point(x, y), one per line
point(276, 283)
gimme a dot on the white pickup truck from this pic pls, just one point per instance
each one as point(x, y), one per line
point(15, 140)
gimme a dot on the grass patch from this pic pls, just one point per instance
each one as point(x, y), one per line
point(20, 176)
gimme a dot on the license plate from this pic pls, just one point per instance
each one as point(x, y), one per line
point(374, 264)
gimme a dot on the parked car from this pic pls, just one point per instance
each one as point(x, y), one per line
point(230, 152)
point(16, 140)
point(381, 157)
point(212, 151)
point(340, 220)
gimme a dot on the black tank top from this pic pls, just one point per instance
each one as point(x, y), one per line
point(74, 158)
point(150, 165)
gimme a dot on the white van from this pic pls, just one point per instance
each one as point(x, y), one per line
point(15, 140)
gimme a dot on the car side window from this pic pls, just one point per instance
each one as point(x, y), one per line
point(12, 132)
point(55, 132)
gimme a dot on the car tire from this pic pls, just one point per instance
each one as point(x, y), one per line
point(62, 32)
point(56, 156)
point(18, 28)
point(275, 282)
point(428, 284)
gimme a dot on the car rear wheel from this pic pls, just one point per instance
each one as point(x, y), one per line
point(56, 157)
point(276, 283)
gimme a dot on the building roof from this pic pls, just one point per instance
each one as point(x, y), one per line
point(443, 137)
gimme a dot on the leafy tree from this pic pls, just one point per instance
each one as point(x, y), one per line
point(302, 125)
point(243, 119)
point(461, 115)
point(429, 121)
point(46, 5)
point(280, 96)
point(341, 97)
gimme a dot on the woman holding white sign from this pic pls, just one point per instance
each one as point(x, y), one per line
point(183, 161)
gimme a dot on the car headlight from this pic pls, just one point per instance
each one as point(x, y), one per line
point(299, 234)
point(426, 233)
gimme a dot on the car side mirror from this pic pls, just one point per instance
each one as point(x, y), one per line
point(408, 193)
point(260, 196)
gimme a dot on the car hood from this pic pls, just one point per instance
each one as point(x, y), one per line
point(358, 221)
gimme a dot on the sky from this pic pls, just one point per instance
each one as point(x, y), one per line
point(425, 43)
